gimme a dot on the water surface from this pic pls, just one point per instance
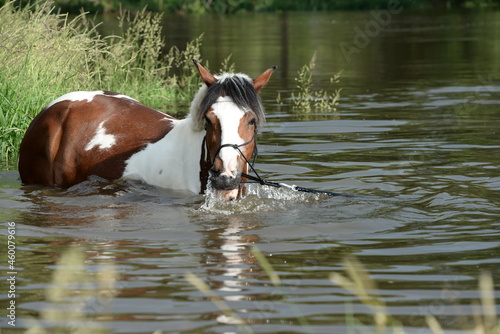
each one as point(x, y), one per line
point(415, 135)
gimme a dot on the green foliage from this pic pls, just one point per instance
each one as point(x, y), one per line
point(182, 60)
point(45, 55)
point(235, 6)
point(307, 98)
point(41, 55)
point(227, 65)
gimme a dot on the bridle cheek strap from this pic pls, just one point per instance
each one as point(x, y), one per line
point(250, 164)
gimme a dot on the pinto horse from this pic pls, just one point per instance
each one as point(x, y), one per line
point(114, 136)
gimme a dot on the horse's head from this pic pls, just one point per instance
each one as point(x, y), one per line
point(232, 112)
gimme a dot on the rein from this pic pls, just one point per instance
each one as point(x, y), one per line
point(264, 182)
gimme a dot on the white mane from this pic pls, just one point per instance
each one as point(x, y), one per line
point(195, 106)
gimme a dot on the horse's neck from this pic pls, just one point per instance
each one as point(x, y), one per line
point(172, 162)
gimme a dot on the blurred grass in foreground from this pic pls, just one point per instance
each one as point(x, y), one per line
point(79, 297)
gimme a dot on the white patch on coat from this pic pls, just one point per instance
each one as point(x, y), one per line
point(173, 162)
point(229, 115)
point(85, 96)
point(101, 139)
point(121, 96)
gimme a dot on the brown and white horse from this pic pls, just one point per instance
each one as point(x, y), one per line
point(114, 136)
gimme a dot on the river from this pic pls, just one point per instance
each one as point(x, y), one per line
point(415, 135)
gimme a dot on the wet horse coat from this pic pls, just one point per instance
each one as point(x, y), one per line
point(114, 136)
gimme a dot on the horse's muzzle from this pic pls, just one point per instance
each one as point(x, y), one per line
point(226, 186)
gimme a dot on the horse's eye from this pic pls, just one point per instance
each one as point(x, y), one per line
point(207, 120)
point(252, 122)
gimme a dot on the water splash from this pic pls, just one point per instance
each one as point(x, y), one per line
point(257, 198)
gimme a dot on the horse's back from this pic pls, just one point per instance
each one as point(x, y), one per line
point(87, 133)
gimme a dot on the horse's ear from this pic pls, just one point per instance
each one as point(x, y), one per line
point(262, 79)
point(206, 76)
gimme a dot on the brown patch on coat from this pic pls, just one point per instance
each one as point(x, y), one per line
point(52, 151)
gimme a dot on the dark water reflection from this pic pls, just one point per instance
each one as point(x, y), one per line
point(416, 133)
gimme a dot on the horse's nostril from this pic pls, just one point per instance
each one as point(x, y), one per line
point(225, 181)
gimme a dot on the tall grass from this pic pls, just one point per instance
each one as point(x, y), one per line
point(41, 55)
point(305, 97)
point(232, 6)
point(44, 54)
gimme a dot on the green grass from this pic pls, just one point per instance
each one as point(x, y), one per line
point(305, 98)
point(233, 6)
point(45, 55)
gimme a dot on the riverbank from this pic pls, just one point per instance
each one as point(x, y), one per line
point(45, 55)
point(231, 6)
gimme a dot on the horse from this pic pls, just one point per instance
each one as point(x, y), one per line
point(113, 136)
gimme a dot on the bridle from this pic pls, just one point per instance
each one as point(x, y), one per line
point(260, 180)
point(237, 148)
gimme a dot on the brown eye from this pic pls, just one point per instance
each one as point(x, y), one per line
point(252, 122)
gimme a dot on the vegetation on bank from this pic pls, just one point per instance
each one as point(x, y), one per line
point(234, 6)
point(306, 98)
point(45, 55)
